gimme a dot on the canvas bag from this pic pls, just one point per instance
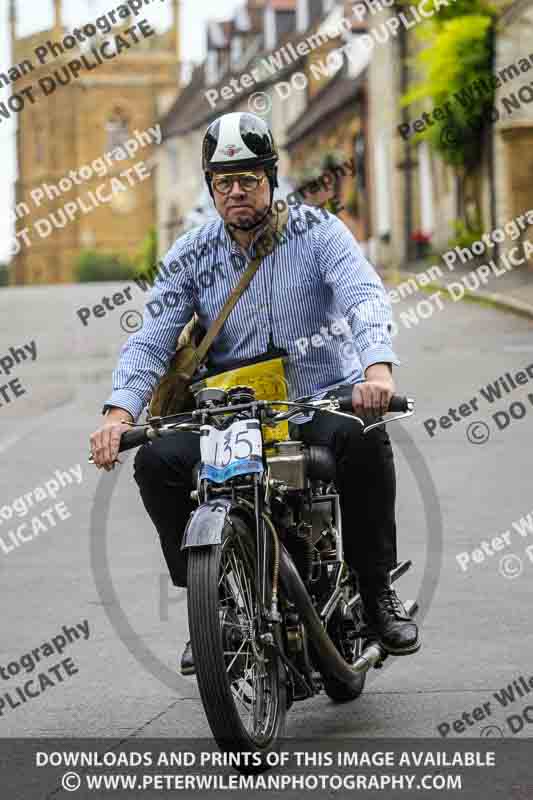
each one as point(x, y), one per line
point(172, 394)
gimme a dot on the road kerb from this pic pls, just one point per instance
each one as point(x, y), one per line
point(494, 299)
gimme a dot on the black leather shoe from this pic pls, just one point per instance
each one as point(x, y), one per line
point(187, 662)
point(389, 621)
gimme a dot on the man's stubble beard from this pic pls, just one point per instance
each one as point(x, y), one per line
point(247, 223)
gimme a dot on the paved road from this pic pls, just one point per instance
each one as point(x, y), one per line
point(476, 626)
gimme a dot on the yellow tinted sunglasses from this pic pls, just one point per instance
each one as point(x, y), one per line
point(248, 181)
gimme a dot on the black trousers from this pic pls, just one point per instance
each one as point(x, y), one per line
point(366, 481)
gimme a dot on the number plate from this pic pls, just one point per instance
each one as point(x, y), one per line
point(238, 450)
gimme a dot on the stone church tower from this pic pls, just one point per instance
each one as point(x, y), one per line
point(80, 121)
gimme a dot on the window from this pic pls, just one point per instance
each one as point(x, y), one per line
point(383, 186)
point(302, 15)
point(211, 67)
point(38, 142)
point(236, 50)
point(316, 10)
point(427, 218)
point(173, 163)
point(117, 129)
point(173, 224)
point(271, 31)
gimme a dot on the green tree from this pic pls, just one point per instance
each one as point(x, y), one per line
point(456, 75)
point(4, 274)
point(146, 258)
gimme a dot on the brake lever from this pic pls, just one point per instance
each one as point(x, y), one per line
point(409, 413)
point(330, 406)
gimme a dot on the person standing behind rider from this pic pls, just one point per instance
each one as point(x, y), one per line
point(314, 279)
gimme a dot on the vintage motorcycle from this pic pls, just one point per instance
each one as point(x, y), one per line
point(275, 615)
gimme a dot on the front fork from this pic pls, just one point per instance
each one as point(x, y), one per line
point(267, 551)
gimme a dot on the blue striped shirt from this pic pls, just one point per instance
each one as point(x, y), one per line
point(325, 303)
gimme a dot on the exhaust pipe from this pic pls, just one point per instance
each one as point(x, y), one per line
point(375, 652)
point(329, 660)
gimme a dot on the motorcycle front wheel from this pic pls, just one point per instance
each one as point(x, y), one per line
point(242, 682)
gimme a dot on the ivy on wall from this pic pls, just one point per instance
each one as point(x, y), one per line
point(456, 84)
point(454, 94)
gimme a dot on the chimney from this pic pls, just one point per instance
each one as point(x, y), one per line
point(57, 14)
point(176, 29)
point(13, 19)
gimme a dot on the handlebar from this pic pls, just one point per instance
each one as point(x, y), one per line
point(133, 438)
point(398, 403)
point(340, 403)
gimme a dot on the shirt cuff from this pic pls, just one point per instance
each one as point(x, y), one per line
point(129, 401)
point(378, 354)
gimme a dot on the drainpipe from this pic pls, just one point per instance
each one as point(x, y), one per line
point(492, 154)
point(408, 176)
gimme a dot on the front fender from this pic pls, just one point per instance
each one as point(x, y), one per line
point(206, 524)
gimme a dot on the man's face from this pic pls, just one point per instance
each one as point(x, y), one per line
point(239, 199)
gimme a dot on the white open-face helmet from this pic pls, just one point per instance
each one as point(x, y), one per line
point(238, 142)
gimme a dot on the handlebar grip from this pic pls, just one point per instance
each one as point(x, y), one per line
point(345, 401)
point(398, 403)
point(134, 438)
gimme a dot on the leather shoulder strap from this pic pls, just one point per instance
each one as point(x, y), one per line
point(266, 245)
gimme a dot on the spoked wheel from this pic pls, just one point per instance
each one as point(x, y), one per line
point(241, 680)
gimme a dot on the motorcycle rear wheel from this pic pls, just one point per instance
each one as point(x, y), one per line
point(242, 683)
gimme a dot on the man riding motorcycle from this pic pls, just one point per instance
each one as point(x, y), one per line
point(314, 287)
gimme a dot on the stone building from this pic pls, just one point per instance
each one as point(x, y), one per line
point(415, 191)
point(235, 48)
point(85, 117)
point(402, 173)
point(275, 42)
point(513, 131)
point(331, 130)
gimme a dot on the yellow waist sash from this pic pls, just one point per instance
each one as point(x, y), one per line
point(266, 378)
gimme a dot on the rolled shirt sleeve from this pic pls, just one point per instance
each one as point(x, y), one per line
point(145, 357)
point(358, 290)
